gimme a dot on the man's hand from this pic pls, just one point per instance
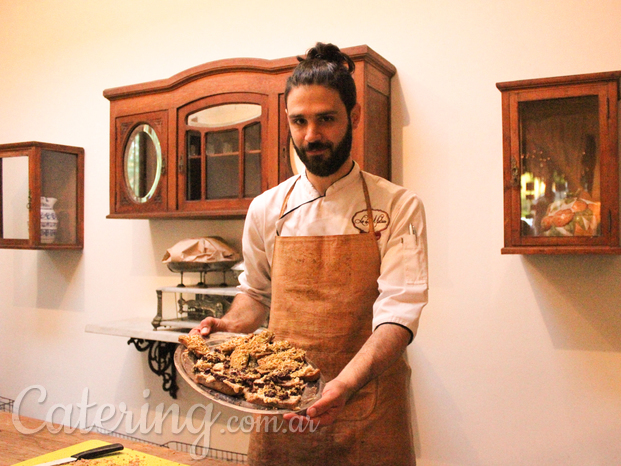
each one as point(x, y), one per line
point(325, 410)
point(380, 351)
point(209, 325)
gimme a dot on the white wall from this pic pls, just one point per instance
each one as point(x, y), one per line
point(517, 360)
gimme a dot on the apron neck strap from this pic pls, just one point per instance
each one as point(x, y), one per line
point(284, 203)
point(367, 200)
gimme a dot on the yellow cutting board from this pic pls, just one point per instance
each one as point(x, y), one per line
point(121, 458)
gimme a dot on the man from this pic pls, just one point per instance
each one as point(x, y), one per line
point(338, 259)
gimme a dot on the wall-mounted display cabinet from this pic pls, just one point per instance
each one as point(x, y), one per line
point(205, 142)
point(41, 196)
point(561, 170)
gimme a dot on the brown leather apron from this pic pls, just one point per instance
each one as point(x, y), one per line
point(323, 290)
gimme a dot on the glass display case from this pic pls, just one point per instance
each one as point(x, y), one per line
point(41, 196)
point(561, 175)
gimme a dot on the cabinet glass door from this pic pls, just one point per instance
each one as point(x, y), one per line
point(15, 193)
point(222, 154)
point(560, 167)
point(221, 164)
point(59, 198)
point(252, 160)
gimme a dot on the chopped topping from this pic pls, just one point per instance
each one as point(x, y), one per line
point(264, 371)
point(196, 344)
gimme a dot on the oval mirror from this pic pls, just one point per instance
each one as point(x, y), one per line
point(143, 163)
point(224, 115)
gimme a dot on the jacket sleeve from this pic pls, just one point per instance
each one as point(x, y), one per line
point(403, 281)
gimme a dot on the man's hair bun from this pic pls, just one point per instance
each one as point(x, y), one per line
point(326, 65)
point(330, 53)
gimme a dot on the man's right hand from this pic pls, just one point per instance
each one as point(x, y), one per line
point(209, 325)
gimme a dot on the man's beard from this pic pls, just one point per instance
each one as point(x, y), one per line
point(326, 166)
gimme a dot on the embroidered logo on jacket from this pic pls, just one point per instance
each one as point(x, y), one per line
point(381, 220)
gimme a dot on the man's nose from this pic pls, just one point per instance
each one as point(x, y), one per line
point(312, 133)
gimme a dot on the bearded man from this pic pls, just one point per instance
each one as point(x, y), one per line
point(338, 258)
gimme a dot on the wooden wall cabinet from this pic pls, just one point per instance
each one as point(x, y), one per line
point(205, 142)
point(41, 196)
point(561, 171)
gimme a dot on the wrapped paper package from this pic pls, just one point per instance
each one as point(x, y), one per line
point(200, 253)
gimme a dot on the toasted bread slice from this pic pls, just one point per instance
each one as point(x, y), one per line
point(223, 386)
point(273, 402)
point(195, 343)
point(229, 346)
point(307, 373)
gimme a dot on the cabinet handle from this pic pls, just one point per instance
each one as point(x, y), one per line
point(515, 173)
point(607, 108)
point(181, 163)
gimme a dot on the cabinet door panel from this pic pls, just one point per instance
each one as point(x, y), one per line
point(223, 137)
point(15, 198)
point(141, 148)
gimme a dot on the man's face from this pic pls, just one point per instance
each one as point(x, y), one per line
point(320, 128)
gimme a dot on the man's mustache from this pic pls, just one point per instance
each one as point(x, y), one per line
point(312, 146)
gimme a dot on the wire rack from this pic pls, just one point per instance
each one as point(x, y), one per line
point(211, 453)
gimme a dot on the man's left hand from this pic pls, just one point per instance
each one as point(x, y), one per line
point(325, 410)
point(380, 351)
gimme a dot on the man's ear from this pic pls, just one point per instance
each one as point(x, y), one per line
point(355, 116)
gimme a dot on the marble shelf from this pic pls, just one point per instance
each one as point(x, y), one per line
point(139, 328)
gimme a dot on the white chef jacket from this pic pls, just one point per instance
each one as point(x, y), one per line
point(399, 221)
